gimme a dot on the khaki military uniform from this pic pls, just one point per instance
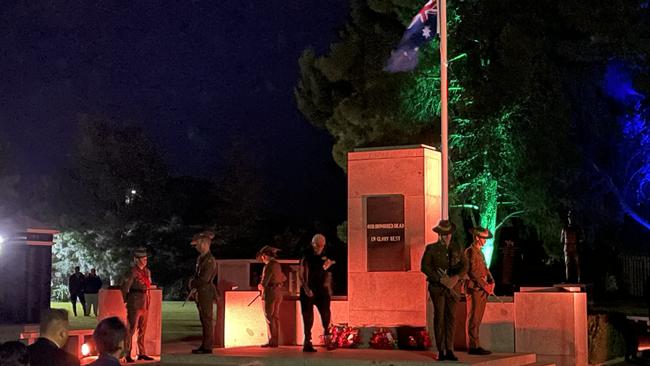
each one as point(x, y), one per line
point(272, 280)
point(135, 290)
point(206, 293)
point(479, 278)
point(438, 256)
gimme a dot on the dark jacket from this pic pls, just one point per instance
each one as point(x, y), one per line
point(206, 269)
point(272, 274)
point(313, 276)
point(93, 284)
point(106, 360)
point(438, 256)
point(76, 283)
point(45, 353)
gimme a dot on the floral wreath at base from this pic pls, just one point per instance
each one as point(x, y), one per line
point(343, 336)
point(382, 338)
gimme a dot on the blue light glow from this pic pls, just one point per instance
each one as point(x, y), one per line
point(634, 149)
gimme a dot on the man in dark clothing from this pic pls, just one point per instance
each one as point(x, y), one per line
point(443, 263)
point(48, 348)
point(135, 290)
point(93, 285)
point(76, 284)
point(479, 286)
point(316, 290)
point(271, 289)
point(202, 288)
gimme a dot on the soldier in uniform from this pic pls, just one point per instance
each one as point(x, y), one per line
point(202, 287)
point(444, 264)
point(479, 286)
point(271, 288)
point(135, 290)
point(316, 290)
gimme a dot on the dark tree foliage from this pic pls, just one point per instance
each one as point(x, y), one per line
point(527, 113)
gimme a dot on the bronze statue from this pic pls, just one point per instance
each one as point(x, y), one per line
point(571, 239)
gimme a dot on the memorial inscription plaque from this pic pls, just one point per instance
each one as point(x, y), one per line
point(385, 233)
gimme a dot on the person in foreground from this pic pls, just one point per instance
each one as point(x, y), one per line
point(444, 264)
point(202, 288)
point(479, 286)
point(13, 353)
point(271, 289)
point(48, 348)
point(109, 337)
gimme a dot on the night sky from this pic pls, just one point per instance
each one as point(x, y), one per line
point(193, 74)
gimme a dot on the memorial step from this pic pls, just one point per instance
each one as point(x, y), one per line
point(177, 354)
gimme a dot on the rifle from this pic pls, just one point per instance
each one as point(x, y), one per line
point(256, 297)
point(189, 296)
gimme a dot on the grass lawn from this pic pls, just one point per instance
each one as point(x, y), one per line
point(179, 322)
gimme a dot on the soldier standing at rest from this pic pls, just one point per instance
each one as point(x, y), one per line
point(316, 290)
point(479, 286)
point(135, 290)
point(443, 263)
point(271, 289)
point(202, 288)
point(76, 284)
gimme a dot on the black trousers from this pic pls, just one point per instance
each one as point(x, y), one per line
point(322, 301)
point(82, 300)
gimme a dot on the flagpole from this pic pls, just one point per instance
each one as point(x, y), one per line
point(442, 11)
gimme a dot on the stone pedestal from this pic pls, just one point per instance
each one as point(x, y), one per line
point(111, 303)
point(407, 182)
point(245, 325)
point(553, 324)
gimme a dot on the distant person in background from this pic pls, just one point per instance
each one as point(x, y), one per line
point(76, 284)
point(109, 337)
point(48, 348)
point(271, 288)
point(316, 290)
point(203, 290)
point(135, 290)
point(571, 239)
point(479, 286)
point(93, 285)
point(14, 353)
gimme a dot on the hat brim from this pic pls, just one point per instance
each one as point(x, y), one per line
point(441, 231)
point(479, 234)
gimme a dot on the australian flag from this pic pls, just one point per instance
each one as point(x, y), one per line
point(422, 29)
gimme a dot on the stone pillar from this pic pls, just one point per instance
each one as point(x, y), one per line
point(393, 202)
